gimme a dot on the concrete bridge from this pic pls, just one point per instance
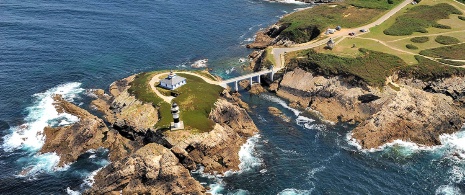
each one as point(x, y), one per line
point(249, 76)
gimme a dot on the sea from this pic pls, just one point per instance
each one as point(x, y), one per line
point(70, 47)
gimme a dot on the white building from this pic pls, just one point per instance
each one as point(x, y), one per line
point(172, 81)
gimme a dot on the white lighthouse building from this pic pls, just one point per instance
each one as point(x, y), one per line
point(176, 124)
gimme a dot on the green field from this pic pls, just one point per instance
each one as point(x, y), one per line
point(308, 24)
point(421, 17)
point(196, 100)
point(372, 67)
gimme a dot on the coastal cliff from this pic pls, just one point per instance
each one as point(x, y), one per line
point(145, 159)
point(405, 109)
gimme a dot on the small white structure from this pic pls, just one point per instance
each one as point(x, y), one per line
point(176, 124)
point(172, 81)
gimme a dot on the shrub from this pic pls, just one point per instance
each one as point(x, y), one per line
point(418, 18)
point(428, 70)
point(372, 67)
point(410, 46)
point(462, 18)
point(419, 39)
point(442, 26)
point(448, 52)
point(446, 40)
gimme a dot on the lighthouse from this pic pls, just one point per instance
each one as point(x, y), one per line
point(176, 124)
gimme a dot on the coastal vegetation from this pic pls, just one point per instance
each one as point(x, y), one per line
point(372, 67)
point(446, 40)
point(462, 18)
point(448, 52)
point(419, 18)
point(196, 99)
point(308, 24)
point(428, 70)
point(410, 46)
point(419, 39)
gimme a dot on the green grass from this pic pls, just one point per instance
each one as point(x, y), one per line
point(141, 89)
point(410, 46)
point(428, 70)
point(372, 67)
point(446, 40)
point(205, 74)
point(196, 100)
point(421, 17)
point(306, 25)
point(456, 52)
point(419, 39)
point(375, 4)
point(268, 58)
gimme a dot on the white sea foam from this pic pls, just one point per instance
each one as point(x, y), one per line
point(229, 71)
point(248, 154)
point(42, 113)
point(447, 190)
point(29, 136)
point(292, 191)
point(280, 102)
point(289, 2)
point(69, 191)
point(311, 173)
point(200, 63)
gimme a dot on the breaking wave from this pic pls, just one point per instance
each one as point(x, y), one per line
point(29, 136)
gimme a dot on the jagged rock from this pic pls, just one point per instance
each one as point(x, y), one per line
point(412, 115)
point(152, 169)
point(417, 111)
point(69, 142)
point(276, 112)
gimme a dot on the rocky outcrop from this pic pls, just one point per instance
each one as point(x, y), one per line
point(152, 169)
point(218, 149)
point(124, 111)
point(70, 141)
point(412, 115)
point(410, 110)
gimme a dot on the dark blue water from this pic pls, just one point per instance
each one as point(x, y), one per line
point(68, 46)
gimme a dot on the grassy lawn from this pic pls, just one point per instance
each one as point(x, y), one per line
point(372, 67)
point(141, 89)
point(421, 17)
point(456, 52)
point(308, 24)
point(195, 101)
point(427, 70)
point(345, 49)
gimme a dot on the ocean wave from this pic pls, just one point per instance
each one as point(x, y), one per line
point(200, 63)
point(448, 190)
point(248, 156)
point(42, 113)
point(280, 102)
point(292, 191)
point(311, 173)
point(29, 136)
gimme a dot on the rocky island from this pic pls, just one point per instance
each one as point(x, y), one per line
point(146, 157)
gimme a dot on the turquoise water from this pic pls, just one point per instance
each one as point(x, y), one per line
point(67, 47)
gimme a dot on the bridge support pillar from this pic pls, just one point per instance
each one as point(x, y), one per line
point(251, 81)
point(236, 87)
point(258, 78)
point(272, 75)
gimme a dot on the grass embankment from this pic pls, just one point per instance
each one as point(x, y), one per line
point(268, 59)
point(196, 100)
point(421, 17)
point(372, 67)
point(306, 25)
point(141, 89)
point(456, 52)
point(428, 70)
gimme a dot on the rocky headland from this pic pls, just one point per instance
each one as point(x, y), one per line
point(145, 160)
point(404, 109)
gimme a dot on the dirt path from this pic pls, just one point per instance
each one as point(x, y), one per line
point(278, 53)
point(156, 79)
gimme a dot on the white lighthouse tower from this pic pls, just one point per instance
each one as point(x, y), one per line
point(176, 124)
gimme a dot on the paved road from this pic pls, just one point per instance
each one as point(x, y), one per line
point(278, 53)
